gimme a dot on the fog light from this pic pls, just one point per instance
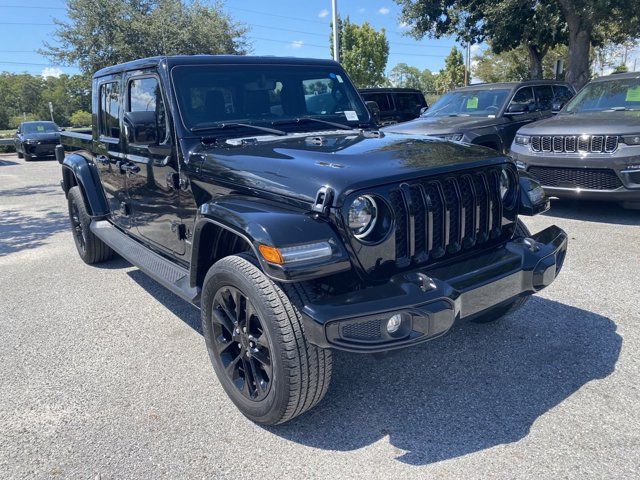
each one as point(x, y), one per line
point(394, 323)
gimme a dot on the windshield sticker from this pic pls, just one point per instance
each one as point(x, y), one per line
point(40, 128)
point(339, 79)
point(351, 115)
point(633, 94)
point(472, 103)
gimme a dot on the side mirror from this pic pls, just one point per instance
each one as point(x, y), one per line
point(374, 109)
point(423, 110)
point(533, 199)
point(517, 109)
point(141, 128)
point(556, 106)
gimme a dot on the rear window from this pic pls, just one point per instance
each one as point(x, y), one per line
point(109, 110)
point(382, 99)
point(409, 102)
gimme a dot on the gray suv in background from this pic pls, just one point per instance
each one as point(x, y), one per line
point(488, 114)
point(591, 149)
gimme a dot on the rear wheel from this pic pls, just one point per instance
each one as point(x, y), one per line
point(257, 345)
point(90, 248)
point(499, 312)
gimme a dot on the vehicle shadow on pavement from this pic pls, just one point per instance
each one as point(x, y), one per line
point(44, 189)
point(591, 211)
point(20, 232)
point(478, 387)
point(6, 163)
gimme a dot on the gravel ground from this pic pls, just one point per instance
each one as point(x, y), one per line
point(104, 373)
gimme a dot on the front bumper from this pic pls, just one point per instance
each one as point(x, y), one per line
point(624, 163)
point(431, 300)
point(40, 149)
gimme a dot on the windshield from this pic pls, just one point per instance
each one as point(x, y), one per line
point(39, 127)
point(211, 95)
point(477, 103)
point(620, 94)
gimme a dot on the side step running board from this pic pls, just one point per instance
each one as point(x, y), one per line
point(163, 271)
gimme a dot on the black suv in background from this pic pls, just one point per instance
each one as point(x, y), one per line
point(591, 149)
point(36, 139)
point(489, 114)
point(396, 104)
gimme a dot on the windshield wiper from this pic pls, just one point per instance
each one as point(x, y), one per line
point(311, 119)
point(224, 126)
point(622, 109)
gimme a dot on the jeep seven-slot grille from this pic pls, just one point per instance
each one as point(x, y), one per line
point(587, 178)
point(445, 215)
point(574, 143)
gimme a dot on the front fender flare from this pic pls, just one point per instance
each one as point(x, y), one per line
point(262, 222)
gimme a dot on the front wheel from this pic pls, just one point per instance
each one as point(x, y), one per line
point(257, 345)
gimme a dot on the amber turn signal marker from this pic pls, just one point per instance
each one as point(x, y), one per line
point(271, 254)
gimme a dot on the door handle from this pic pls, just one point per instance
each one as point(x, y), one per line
point(103, 159)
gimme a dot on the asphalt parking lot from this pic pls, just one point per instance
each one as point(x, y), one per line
point(104, 373)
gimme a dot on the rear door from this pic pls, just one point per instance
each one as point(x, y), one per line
point(107, 147)
point(153, 176)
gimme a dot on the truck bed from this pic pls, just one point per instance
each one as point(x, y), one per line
point(77, 140)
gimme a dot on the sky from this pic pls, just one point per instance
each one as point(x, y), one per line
point(281, 27)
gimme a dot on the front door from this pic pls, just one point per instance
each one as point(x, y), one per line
point(524, 96)
point(108, 149)
point(151, 168)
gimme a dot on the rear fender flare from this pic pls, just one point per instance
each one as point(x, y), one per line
point(76, 170)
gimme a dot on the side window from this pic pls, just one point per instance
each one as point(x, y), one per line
point(382, 99)
point(544, 95)
point(562, 93)
point(109, 115)
point(146, 109)
point(408, 102)
point(524, 96)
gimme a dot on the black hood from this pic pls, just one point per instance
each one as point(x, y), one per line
point(298, 165)
point(442, 125)
point(595, 123)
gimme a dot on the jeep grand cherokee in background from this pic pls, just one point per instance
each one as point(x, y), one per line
point(396, 104)
point(259, 190)
point(488, 114)
point(591, 149)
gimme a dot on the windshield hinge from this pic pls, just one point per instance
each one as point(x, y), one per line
point(324, 198)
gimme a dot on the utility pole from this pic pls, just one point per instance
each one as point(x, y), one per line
point(51, 111)
point(467, 65)
point(336, 40)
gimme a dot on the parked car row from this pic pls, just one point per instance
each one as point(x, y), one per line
point(578, 146)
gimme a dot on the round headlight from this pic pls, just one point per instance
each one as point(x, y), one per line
point(505, 184)
point(362, 216)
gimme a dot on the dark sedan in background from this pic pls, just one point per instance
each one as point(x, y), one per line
point(591, 149)
point(36, 139)
point(489, 114)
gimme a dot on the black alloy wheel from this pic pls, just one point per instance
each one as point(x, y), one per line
point(76, 228)
point(242, 343)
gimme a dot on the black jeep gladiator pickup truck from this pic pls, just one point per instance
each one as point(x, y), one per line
point(260, 190)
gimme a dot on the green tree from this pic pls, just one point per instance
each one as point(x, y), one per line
point(80, 118)
point(100, 33)
point(363, 52)
point(510, 66)
point(592, 22)
point(452, 75)
point(506, 24)
point(405, 76)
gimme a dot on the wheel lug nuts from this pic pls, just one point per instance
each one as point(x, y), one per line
point(244, 329)
point(248, 353)
point(239, 345)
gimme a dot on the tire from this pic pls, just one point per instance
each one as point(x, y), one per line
point(20, 154)
point(297, 374)
point(90, 248)
point(27, 157)
point(499, 312)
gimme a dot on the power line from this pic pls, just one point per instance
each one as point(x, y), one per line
point(32, 7)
